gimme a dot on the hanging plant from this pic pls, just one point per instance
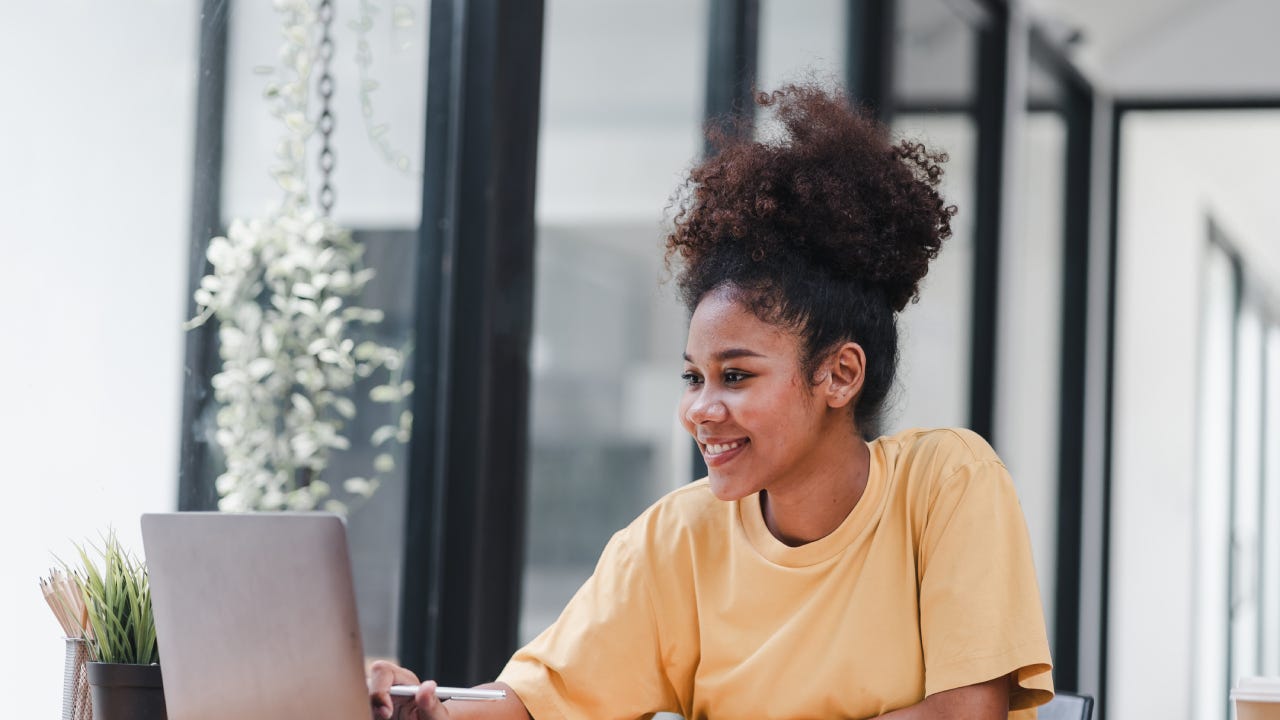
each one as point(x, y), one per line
point(284, 289)
point(378, 130)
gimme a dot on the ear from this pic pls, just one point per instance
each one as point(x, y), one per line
point(846, 371)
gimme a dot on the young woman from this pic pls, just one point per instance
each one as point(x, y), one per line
point(819, 571)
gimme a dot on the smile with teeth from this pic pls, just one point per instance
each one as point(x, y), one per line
point(717, 449)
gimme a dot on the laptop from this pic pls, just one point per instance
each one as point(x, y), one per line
point(255, 616)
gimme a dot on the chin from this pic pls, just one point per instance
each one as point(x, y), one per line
point(727, 489)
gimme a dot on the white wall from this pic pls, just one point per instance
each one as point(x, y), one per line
point(1176, 172)
point(95, 167)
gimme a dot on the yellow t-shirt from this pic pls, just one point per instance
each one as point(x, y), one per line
point(695, 608)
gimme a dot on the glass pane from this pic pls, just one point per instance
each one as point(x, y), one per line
point(1029, 338)
point(935, 333)
point(378, 100)
point(378, 103)
point(1247, 497)
point(935, 55)
point(1213, 490)
point(1270, 597)
point(801, 41)
point(622, 112)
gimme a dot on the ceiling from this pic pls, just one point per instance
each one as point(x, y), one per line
point(1107, 27)
point(1171, 48)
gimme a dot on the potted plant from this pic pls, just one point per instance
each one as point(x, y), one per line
point(124, 671)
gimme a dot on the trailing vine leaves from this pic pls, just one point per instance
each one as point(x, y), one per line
point(293, 339)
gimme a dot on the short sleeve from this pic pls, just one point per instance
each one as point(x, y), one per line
point(980, 611)
point(601, 659)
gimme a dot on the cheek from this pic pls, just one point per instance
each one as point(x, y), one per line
point(786, 414)
point(682, 412)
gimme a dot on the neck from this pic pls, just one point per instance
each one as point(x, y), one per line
point(813, 506)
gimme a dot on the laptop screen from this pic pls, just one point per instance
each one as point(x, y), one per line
point(255, 616)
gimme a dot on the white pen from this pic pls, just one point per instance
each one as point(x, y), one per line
point(451, 693)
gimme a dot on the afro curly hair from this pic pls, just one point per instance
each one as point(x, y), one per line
point(828, 229)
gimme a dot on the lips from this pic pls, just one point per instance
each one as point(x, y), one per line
point(718, 448)
point(721, 451)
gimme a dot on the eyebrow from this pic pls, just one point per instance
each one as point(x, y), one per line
point(728, 354)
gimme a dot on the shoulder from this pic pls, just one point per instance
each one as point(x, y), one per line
point(922, 463)
point(690, 508)
point(942, 451)
point(683, 522)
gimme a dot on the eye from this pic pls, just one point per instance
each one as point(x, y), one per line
point(691, 378)
point(733, 377)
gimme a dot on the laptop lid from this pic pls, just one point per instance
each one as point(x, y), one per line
point(255, 616)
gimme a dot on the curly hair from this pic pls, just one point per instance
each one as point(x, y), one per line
point(827, 229)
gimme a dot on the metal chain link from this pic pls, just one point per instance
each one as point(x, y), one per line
point(325, 123)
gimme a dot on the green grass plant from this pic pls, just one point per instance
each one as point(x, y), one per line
point(117, 596)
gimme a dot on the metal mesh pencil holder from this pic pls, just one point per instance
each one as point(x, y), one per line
point(76, 704)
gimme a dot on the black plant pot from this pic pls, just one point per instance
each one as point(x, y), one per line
point(126, 692)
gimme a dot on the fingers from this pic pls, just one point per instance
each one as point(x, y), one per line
point(382, 675)
point(427, 704)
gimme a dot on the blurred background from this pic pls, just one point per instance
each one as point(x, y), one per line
point(1107, 313)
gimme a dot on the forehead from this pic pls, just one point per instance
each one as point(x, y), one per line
point(721, 322)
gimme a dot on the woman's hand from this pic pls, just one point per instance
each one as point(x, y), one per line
point(423, 706)
point(426, 706)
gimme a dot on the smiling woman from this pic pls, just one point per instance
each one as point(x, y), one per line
point(761, 424)
point(868, 576)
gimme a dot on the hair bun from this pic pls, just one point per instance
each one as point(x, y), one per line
point(831, 191)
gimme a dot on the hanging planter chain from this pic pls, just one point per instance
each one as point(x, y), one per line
point(325, 124)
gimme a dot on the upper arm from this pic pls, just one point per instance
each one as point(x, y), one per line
point(603, 655)
point(980, 611)
point(982, 701)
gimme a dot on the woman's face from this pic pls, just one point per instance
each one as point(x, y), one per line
point(755, 417)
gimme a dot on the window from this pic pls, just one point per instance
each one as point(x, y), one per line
point(1029, 361)
point(378, 69)
point(621, 120)
point(1246, 496)
point(801, 41)
point(1269, 599)
point(935, 95)
point(1213, 485)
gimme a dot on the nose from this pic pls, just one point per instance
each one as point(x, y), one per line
point(705, 407)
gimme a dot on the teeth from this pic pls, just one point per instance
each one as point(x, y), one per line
point(717, 449)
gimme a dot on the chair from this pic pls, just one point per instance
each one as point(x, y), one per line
point(1067, 706)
